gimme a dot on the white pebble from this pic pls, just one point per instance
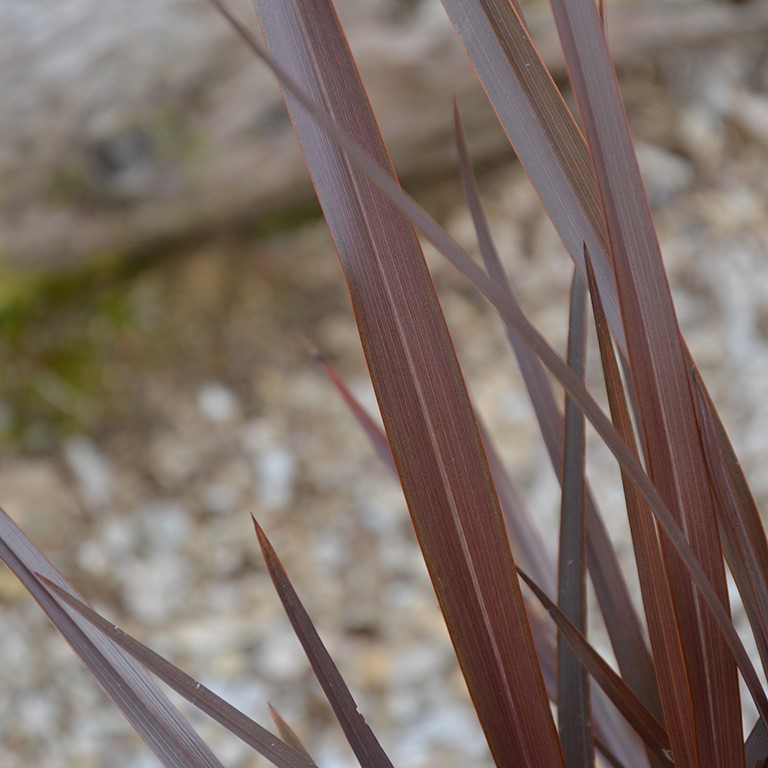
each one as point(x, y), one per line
point(91, 470)
point(276, 477)
point(217, 403)
point(167, 523)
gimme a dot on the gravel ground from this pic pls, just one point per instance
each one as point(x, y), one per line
point(207, 410)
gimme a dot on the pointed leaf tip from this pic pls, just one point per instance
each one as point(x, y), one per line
point(358, 733)
point(257, 737)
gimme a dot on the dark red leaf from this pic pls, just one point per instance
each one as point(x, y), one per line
point(511, 315)
point(196, 693)
point(166, 732)
point(361, 738)
point(619, 613)
point(669, 658)
point(543, 636)
point(420, 390)
point(627, 703)
point(659, 371)
point(541, 129)
point(573, 711)
point(742, 529)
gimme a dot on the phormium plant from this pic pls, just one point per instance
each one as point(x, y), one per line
point(689, 507)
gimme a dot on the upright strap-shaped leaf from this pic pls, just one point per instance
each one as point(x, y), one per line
point(421, 394)
point(660, 377)
point(654, 583)
point(619, 614)
point(740, 523)
point(513, 317)
point(554, 154)
point(541, 129)
point(610, 733)
point(573, 712)
point(641, 719)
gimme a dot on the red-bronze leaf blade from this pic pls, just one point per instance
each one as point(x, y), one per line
point(660, 378)
point(192, 690)
point(421, 393)
point(165, 731)
point(358, 733)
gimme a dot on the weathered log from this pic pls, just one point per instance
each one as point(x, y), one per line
point(123, 125)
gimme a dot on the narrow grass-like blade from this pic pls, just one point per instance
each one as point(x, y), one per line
point(264, 742)
point(541, 129)
point(526, 541)
point(756, 747)
point(288, 735)
point(511, 315)
point(421, 393)
point(547, 141)
point(663, 629)
point(358, 733)
point(543, 637)
point(659, 373)
point(162, 727)
point(650, 730)
point(619, 613)
point(372, 430)
point(573, 711)
point(524, 538)
point(531, 111)
point(742, 529)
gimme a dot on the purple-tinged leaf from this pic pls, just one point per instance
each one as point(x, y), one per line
point(421, 394)
point(264, 742)
point(524, 538)
point(162, 727)
point(756, 747)
point(525, 98)
point(646, 725)
point(659, 371)
point(573, 712)
point(663, 629)
point(740, 524)
point(530, 109)
point(372, 430)
point(543, 637)
point(541, 129)
point(619, 613)
point(511, 315)
point(358, 733)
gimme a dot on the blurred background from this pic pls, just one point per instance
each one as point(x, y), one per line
point(161, 257)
